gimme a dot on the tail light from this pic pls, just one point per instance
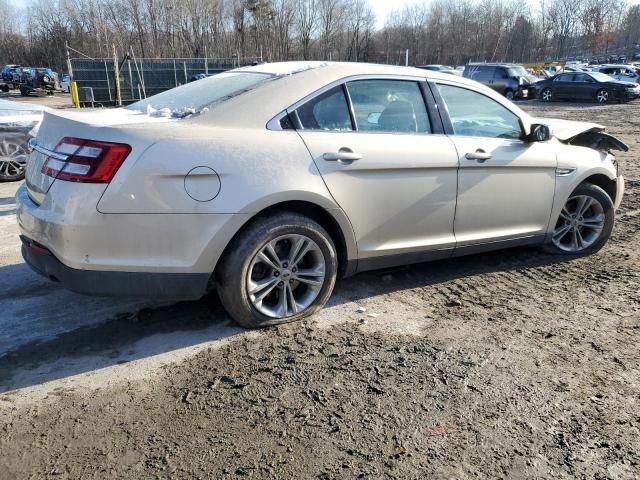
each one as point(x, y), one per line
point(86, 161)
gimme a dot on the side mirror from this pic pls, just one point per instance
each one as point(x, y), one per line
point(539, 133)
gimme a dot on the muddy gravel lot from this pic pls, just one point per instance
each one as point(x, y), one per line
point(514, 364)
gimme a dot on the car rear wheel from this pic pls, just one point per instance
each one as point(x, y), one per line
point(281, 269)
point(585, 222)
point(509, 94)
point(602, 96)
point(13, 158)
point(546, 95)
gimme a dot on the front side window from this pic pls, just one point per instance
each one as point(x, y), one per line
point(501, 73)
point(474, 114)
point(582, 78)
point(565, 77)
point(389, 106)
point(328, 111)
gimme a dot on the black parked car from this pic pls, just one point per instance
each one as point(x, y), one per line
point(510, 80)
point(586, 86)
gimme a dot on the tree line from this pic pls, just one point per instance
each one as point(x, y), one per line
point(438, 31)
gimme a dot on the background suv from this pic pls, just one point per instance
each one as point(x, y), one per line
point(510, 80)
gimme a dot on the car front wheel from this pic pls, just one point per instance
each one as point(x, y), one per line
point(585, 222)
point(546, 95)
point(282, 268)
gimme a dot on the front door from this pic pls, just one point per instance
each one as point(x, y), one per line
point(563, 86)
point(505, 185)
point(373, 142)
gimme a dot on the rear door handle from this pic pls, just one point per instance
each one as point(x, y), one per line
point(479, 155)
point(342, 155)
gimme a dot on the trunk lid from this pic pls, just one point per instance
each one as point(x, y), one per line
point(103, 125)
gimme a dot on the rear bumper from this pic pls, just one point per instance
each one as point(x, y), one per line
point(178, 286)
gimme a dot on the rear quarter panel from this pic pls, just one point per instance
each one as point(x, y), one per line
point(256, 168)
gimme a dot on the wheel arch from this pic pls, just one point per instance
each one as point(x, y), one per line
point(605, 183)
point(334, 221)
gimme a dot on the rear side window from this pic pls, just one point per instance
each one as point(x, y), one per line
point(476, 115)
point(388, 106)
point(328, 111)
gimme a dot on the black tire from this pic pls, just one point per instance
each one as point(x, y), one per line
point(509, 94)
point(603, 96)
point(546, 95)
point(24, 92)
point(5, 88)
point(233, 269)
point(598, 194)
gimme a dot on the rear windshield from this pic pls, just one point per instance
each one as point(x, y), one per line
point(193, 97)
point(601, 77)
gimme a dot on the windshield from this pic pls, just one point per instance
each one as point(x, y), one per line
point(193, 97)
point(518, 72)
point(601, 77)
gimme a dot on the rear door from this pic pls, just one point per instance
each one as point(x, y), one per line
point(386, 162)
point(505, 185)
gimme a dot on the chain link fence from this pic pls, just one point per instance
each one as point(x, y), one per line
point(141, 78)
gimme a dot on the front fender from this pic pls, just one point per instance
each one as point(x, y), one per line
point(575, 166)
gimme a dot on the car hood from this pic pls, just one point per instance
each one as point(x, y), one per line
point(567, 129)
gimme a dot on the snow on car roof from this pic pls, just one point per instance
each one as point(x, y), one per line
point(20, 106)
point(282, 68)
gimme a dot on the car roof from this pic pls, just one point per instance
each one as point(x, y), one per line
point(493, 64)
point(298, 80)
point(338, 69)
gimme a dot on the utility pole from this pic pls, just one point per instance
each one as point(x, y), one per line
point(116, 71)
point(70, 70)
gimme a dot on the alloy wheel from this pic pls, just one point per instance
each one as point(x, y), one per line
point(580, 224)
point(602, 96)
point(13, 158)
point(286, 276)
point(546, 95)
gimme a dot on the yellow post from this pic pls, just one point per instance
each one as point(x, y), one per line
point(75, 98)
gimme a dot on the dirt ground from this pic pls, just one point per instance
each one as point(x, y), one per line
point(59, 100)
point(514, 364)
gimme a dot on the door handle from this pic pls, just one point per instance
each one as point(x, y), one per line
point(479, 155)
point(342, 155)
